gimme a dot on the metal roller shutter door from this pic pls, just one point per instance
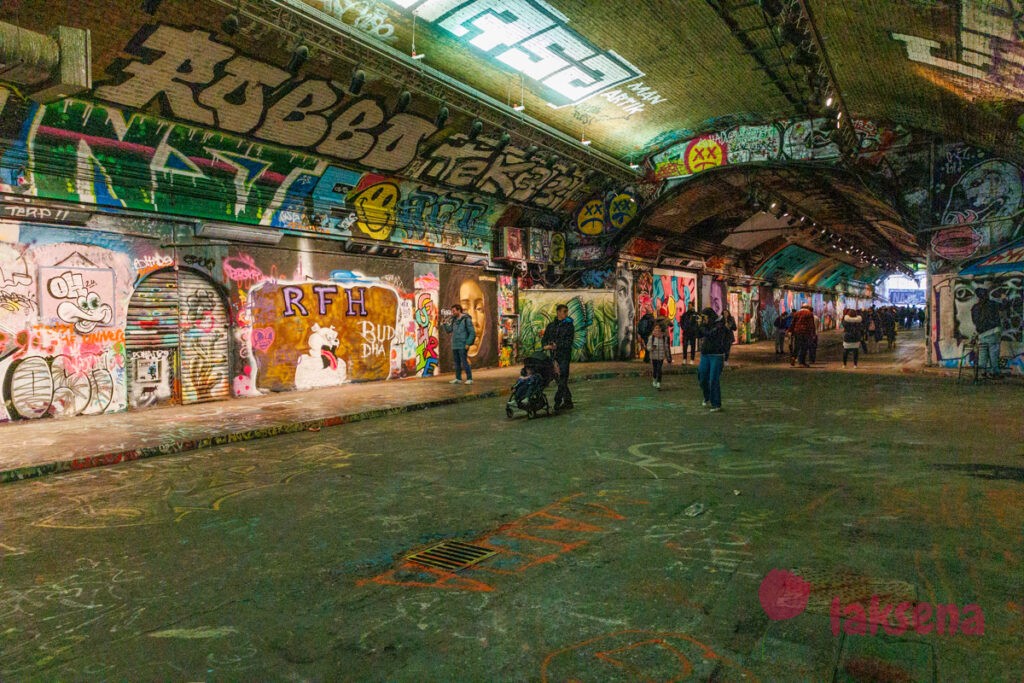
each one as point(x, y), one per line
point(204, 332)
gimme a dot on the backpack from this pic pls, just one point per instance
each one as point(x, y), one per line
point(645, 326)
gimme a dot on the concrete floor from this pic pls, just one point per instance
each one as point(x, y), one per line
point(281, 559)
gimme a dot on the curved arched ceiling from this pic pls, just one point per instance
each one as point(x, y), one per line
point(635, 76)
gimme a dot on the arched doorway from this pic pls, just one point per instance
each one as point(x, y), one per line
point(177, 340)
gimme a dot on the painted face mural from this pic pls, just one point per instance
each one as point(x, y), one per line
point(1007, 290)
point(988, 193)
point(477, 293)
point(471, 297)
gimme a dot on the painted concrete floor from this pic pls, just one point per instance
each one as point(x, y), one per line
point(281, 559)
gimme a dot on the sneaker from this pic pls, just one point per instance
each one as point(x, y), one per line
point(705, 404)
point(792, 362)
point(716, 410)
point(654, 384)
point(455, 381)
point(657, 385)
point(468, 381)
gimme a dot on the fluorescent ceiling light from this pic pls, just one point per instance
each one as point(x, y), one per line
point(238, 233)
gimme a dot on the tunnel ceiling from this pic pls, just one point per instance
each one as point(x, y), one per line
point(666, 71)
point(673, 68)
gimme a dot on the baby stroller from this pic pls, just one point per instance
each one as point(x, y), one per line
point(528, 392)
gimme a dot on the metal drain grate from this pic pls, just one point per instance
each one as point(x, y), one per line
point(451, 555)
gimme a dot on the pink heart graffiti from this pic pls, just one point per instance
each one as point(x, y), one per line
point(262, 338)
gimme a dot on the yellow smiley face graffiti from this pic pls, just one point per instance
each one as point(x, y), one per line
point(621, 210)
point(376, 208)
point(590, 219)
point(704, 153)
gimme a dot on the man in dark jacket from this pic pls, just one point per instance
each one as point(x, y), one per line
point(803, 333)
point(558, 338)
point(715, 338)
point(688, 322)
point(988, 324)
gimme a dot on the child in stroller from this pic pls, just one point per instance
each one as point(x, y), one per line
point(528, 392)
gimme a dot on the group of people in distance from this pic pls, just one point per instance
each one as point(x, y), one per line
point(860, 328)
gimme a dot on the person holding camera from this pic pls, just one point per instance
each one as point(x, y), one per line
point(460, 326)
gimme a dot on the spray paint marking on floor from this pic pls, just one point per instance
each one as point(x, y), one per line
point(535, 539)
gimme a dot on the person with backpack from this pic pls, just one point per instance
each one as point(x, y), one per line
point(460, 326)
point(644, 328)
point(714, 336)
point(803, 332)
point(689, 324)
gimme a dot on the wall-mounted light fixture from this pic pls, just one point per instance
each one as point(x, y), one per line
point(300, 54)
point(231, 24)
point(355, 86)
point(442, 116)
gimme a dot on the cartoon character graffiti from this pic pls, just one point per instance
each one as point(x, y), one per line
point(79, 305)
point(590, 219)
point(320, 367)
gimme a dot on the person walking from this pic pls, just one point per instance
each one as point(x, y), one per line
point(988, 325)
point(803, 332)
point(690, 326)
point(643, 330)
point(460, 326)
point(558, 338)
point(812, 347)
point(714, 334)
point(730, 324)
point(781, 327)
point(852, 335)
point(659, 351)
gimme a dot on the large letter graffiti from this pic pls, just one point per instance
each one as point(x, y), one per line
point(311, 334)
point(194, 78)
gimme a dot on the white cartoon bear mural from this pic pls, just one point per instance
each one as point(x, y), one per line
point(320, 367)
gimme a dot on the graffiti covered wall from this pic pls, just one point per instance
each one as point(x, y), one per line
point(477, 293)
point(979, 201)
point(673, 292)
point(189, 125)
point(63, 309)
point(593, 313)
